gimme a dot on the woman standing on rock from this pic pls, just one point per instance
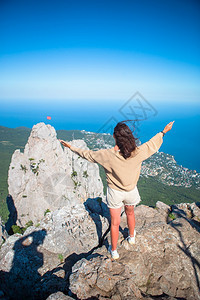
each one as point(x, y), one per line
point(122, 165)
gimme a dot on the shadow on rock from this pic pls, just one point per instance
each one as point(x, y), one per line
point(12, 218)
point(180, 213)
point(177, 225)
point(96, 208)
point(24, 281)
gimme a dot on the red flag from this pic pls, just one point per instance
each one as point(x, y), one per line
point(48, 118)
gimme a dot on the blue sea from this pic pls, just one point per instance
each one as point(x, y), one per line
point(183, 141)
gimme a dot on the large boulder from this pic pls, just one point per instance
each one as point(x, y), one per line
point(164, 261)
point(46, 176)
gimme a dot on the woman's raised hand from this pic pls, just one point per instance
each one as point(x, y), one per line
point(168, 127)
point(65, 144)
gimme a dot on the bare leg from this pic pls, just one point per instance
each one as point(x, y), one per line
point(129, 210)
point(115, 214)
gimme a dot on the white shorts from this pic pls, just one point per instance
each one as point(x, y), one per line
point(116, 199)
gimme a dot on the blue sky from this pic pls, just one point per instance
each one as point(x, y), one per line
point(100, 50)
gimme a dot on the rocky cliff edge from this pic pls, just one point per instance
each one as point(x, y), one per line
point(67, 252)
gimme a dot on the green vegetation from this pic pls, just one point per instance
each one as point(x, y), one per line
point(10, 140)
point(17, 229)
point(23, 168)
point(151, 190)
point(46, 211)
point(76, 183)
point(172, 216)
point(21, 230)
point(85, 174)
point(74, 174)
point(69, 135)
point(35, 166)
point(61, 258)
point(28, 224)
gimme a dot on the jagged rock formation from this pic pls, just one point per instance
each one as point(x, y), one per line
point(165, 261)
point(47, 177)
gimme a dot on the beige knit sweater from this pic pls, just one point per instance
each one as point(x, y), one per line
point(121, 173)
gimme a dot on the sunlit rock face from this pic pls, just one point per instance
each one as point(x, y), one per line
point(164, 262)
point(48, 177)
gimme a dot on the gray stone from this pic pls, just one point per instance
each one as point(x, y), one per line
point(164, 260)
point(47, 177)
point(39, 262)
point(59, 296)
point(162, 206)
point(101, 276)
point(189, 212)
point(3, 233)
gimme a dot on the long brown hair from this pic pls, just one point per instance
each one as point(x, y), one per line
point(124, 139)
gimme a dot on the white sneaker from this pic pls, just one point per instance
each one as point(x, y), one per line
point(131, 239)
point(114, 253)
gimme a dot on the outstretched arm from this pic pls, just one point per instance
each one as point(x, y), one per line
point(149, 148)
point(92, 156)
point(168, 127)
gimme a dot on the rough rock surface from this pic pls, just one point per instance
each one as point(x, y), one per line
point(165, 261)
point(47, 177)
point(62, 254)
point(3, 233)
point(59, 296)
point(38, 263)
